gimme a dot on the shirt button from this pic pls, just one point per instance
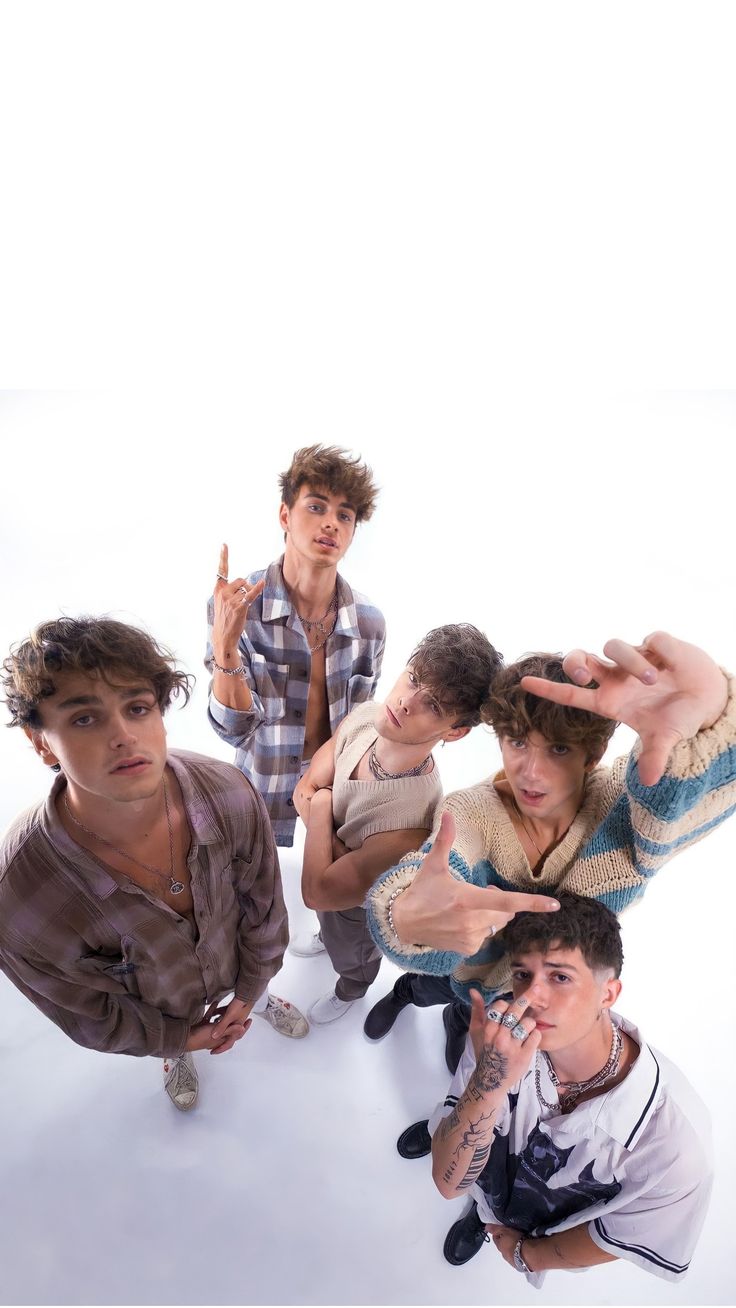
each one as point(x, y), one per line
point(295, 758)
point(290, 802)
point(298, 713)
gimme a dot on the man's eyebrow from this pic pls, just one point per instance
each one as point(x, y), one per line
point(344, 504)
point(76, 701)
point(554, 967)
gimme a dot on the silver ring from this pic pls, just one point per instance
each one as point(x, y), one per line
point(494, 930)
point(519, 1033)
point(244, 590)
point(509, 1021)
point(494, 1015)
point(220, 577)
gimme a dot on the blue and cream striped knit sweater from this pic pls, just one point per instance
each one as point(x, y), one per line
point(622, 835)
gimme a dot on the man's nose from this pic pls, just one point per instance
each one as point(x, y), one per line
point(406, 700)
point(533, 764)
point(122, 733)
point(536, 995)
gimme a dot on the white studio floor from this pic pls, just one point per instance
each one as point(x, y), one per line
point(284, 1186)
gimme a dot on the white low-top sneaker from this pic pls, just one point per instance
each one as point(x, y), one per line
point(284, 1018)
point(307, 944)
point(181, 1082)
point(328, 1008)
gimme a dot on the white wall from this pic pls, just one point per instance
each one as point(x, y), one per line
point(548, 520)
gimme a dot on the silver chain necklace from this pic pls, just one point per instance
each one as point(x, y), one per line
point(318, 624)
point(570, 1091)
point(175, 886)
point(381, 774)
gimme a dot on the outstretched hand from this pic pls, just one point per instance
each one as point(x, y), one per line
point(664, 689)
point(439, 911)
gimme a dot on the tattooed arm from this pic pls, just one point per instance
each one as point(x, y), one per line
point(462, 1141)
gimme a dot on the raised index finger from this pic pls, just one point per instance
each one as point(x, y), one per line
point(222, 566)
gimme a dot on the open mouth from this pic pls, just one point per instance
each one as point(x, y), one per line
point(327, 542)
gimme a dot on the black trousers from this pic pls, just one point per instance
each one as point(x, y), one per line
point(416, 988)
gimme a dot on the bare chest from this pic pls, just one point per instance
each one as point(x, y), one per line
point(317, 727)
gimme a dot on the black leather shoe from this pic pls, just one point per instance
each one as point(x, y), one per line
point(454, 1044)
point(382, 1016)
point(465, 1238)
point(415, 1141)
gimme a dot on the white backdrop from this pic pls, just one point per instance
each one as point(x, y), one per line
point(548, 520)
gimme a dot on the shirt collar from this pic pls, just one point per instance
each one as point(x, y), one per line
point(206, 829)
point(276, 603)
point(624, 1112)
point(78, 859)
point(201, 819)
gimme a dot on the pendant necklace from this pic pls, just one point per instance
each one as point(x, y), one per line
point(318, 624)
point(175, 887)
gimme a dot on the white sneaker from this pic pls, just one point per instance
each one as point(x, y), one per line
point(181, 1082)
point(328, 1008)
point(284, 1018)
point(307, 944)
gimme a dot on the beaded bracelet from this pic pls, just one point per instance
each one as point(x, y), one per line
point(229, 672)
point(390, 913)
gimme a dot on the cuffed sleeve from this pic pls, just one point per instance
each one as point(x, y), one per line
point(102, 1016)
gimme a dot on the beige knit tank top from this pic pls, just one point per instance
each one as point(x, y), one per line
point(363, 808)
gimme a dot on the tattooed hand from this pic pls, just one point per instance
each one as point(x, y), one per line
point(463, 1140)
point(500, 1058)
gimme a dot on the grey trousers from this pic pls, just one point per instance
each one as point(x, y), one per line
point(352, 951)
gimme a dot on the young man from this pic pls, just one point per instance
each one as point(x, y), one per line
point(372, 790)
point(578, 1143)
point(292, 648)
point(553, 818)
point(147, 887)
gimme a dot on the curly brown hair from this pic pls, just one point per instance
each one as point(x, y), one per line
point(337, 471)
point(514, 712)
point(458, 664)
point(579, 923)
point(98, 645)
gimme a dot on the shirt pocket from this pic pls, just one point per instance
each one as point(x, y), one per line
point(111, 967)
point(360, 689)
point(271, 680)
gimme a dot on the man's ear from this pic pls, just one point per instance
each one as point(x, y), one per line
point(41, 746)
point(284, 515)
point(611, 992)
point(456, 733)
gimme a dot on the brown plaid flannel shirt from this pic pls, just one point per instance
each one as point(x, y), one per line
point(117, 969)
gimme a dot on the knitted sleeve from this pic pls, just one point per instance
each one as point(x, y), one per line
point(469, 808)
point(648, 825)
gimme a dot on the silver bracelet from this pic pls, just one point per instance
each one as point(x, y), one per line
point(390, 913)
point(519, 1263)
point(229, 672)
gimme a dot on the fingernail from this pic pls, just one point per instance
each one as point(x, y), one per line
point(581, 674)
point(553, 903)
point(649, 676)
